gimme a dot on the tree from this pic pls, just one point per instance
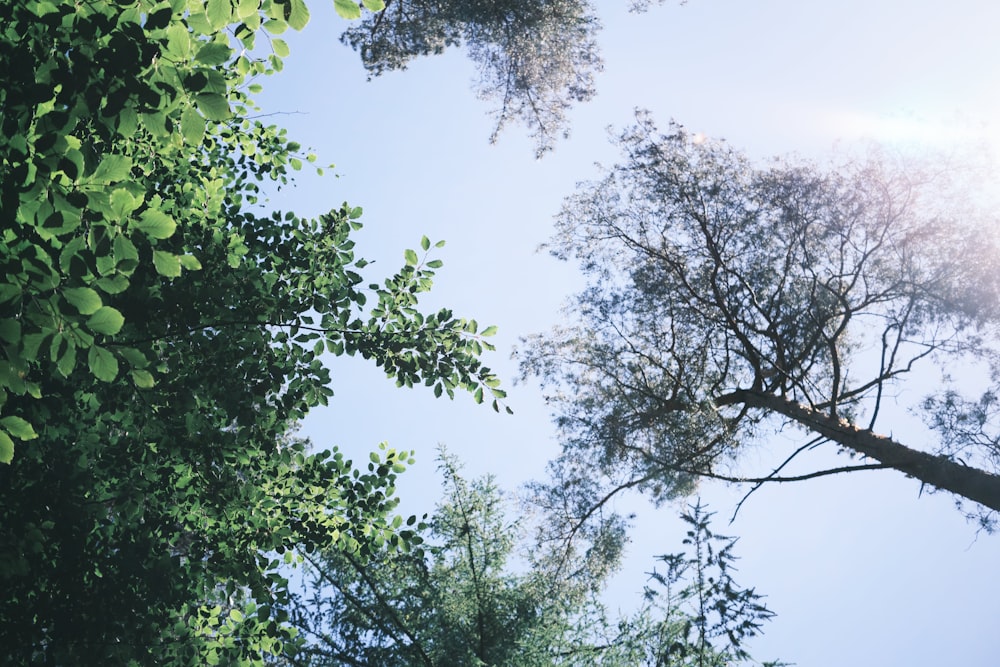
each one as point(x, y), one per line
point(727, 301)
point(701, 603)
point(161, 339)
point(458, 600)
point(534, 59)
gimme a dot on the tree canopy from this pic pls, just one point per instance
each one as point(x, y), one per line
point(461, 598)
point(728, 301)
point(162, 335)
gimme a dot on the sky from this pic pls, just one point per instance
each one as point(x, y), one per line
point(861, 569)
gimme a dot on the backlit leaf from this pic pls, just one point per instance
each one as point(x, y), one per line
point(214, 53)
point(18, 427)
point(218, 12)
point(106, 320)
point(347, 9)
point(192, 126)
point(84, 299)
point(156, 223)
point(102, 364)
point(112, 168)
point(143, 379)
point(167, 264)
point(6, 448)
point(298, 17)
point(213, 105)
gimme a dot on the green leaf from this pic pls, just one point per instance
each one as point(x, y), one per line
point(213, 105)
point(219, 13)
point(115, 284)
point(67, 362)
point(18, 427)
point(143, 379)
point(156, 224)
point(190, 262)
point(478, 396)
point(374, 5)
point(347, 9)
point(10, 330)
point(112, 168)
point(84, 299)
point(435, 264)
point(298, 15)
point(489, 331)
point(6, 448)
point(192, 126)
point(425, 243)
point(167, 264)
point(411, 257)
point(126, 257)
point(245, 8)
point(123, 203)
point(102, 364)
point(106, 320)
point(214, 53)
point(280, 47)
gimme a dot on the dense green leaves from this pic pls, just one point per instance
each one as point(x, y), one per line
point(159, 338)
point(459, 599)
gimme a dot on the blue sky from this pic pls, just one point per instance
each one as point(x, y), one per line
point(859, 569)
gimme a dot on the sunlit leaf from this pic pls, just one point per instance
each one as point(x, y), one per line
point(102, 364)
point(347, 9)
point(84, 299)
point(106, 320)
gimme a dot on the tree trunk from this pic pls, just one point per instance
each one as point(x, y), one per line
point(938, 471)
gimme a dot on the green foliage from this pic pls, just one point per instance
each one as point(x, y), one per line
point(707, 618)
point(535, 59)
point(460, 599)
point(159, 340)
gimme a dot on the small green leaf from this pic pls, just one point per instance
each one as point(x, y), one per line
point(10, 330)
point(156, 224)
point(411, 257)
point(112, 168)
point(280, 47)
point(478, 396)
point(192, 126)
point(143, 379)
point(18, 427)
point(6, 448)
point(374, 5)
point(213, 105)
point(425, 243)
point(106, 320)
point(190, 262)
point(84, 299)
point(298, 15)
point(489, 331)
point(123, 203)
point(435, 264)
point(347, 9)
point(236, 615)
point(115, 284)
point(67, 362)
point(219, 13)
point(214, 53)
point(102, 364)
point(167, 264)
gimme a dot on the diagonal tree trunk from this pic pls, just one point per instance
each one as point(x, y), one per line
point(938, 471)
